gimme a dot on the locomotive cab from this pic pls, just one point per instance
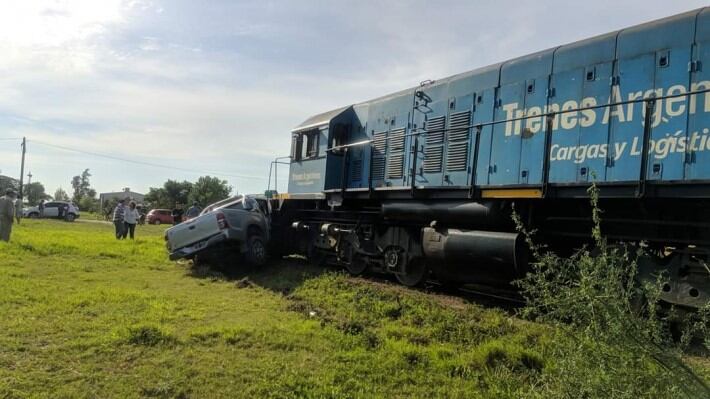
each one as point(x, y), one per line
point(316, 154)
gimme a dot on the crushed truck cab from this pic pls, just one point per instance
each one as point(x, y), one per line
point(241, 224)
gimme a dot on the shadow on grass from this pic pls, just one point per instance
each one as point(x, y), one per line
point(284, 275)
point(278, 275)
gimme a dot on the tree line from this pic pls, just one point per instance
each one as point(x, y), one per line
point(206, 190)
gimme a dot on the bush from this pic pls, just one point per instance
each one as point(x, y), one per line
point(612, 334)
point(148, 335)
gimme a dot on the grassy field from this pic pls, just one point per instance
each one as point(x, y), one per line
point(84, 315)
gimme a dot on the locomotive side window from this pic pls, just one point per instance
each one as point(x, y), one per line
point(339, 136)
point(296, 145)
point(310, 149)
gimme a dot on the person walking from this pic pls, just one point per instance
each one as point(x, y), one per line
point(194, 211)
point(7, 214)
point(130, 218)
point(118, 219)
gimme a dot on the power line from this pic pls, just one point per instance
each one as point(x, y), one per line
point(10, 138)
point(142, 162)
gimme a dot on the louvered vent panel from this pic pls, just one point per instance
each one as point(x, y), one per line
point(433, 159)
point(459, 126)
point(435, 130)
point(378, 169)
point(379, 142)
point(457, 156)
point(396, 140)
point(395, 164)
point(356, 170)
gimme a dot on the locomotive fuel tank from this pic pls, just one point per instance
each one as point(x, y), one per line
point(474, 255)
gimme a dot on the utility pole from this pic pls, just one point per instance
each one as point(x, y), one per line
point(22, 166)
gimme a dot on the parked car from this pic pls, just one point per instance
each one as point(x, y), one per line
point(239, 225)
point(159, 216)
point(54, 210)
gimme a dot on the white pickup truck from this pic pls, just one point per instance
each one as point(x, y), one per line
point(239, 224)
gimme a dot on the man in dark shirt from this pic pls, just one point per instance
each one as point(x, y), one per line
point(194, 211)
point(118, 213)
point(177, 214)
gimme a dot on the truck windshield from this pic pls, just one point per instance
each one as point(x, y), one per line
point(227, 203)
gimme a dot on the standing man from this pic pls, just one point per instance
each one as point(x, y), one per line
point(7, 214)
point(41, 208)
point(177, 214)
point(118, 220)
point(194, 211)
point(18, 209)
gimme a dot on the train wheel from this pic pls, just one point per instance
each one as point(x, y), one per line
point(356, 267)
point(353, 263)
point(416, 274)
point(315, 256)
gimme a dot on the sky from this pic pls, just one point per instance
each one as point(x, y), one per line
point(187, 88)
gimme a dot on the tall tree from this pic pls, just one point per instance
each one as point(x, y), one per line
point(82, 186)
point(35, 192)
point(61, 195)
point(173, 192)
point(8, 182)
point(84, 196)
point(208, 190)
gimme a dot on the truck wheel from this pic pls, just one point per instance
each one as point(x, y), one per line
point(34, 215)
point(156, 222)
point(70, 217)
point(256, 250)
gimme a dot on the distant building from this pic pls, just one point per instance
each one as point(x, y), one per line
point(126, 194)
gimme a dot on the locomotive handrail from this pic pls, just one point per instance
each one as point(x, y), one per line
point(416, 132)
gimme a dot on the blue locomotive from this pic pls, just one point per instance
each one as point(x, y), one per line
point(421, 182)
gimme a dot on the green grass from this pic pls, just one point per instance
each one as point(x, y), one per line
point(84, 315)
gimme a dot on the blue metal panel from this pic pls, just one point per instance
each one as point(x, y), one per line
point(457, 159)
point(307, 176)
point(388, 116)
point(505, 141)
point(565, 138)
point(485, 101)
point(430, 158)
point(358, 157)
point(626, 137)
point(651, 57)
point(669, 121)
point(469, 100)
point(579, 141)
point(397, 172)
point(532, 147)
point(593, 133)
point(377, 125)
point(528, 66)
point(516, 152)
point(698, 106)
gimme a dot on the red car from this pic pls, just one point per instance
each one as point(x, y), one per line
point(159, 216)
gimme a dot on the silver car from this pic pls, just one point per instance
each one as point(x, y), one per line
point(54, 210)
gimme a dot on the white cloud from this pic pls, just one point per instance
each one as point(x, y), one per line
point(54, 23)
point(218, 86)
